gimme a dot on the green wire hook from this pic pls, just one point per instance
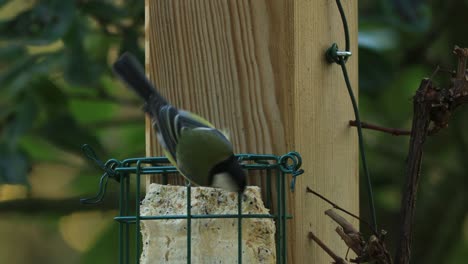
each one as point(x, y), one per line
point(108, 167)
point(292, 168)
point(109, 172)
point(101, 193)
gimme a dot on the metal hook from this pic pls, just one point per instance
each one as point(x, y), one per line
point(108, 167)
point(109, 172)
point(294, 168)
point(101, 193)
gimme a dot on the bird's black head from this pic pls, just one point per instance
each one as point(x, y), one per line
point(228, 175)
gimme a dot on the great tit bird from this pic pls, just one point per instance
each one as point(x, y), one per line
point(201, 153)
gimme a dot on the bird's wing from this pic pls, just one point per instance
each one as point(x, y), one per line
point(170, 122)
point(193, 121)
point(189, 120)
point(170, 125)
point(166, 127)
point(199, 150)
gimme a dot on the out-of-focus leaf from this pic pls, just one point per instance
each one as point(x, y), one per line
point(378, 39)
point(375, 71)
point(459, 252)
point(22, 120)
point(107, 242)
point(135, 10)
point(64, 132)
point(92, 111)
point(13, 73)
point(14, 165)
point(11, 8)
point(104, 11)
point(79, 69)
point(52, 99)
point(17, 77)
point(98, 47)
point(130, 42)
point(40, 150)
point(11, 52)
point(45, 22)
point(413, 16)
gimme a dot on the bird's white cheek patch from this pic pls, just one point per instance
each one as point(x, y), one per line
point(224, 181)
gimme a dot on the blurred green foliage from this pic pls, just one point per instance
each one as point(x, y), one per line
point(58, 92)
point(43, 90)
point(401, 42)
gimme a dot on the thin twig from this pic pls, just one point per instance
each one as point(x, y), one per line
point(389, 130)
point(393, 131)
point(335, 257)
point(309, 190)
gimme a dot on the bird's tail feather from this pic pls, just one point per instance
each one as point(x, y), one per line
point(131, 72)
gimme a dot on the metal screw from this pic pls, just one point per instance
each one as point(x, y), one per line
point(344, 53)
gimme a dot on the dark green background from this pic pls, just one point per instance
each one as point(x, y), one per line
point(57, 92)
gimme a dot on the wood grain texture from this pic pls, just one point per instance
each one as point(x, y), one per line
point(256, 68)
point(215, 59)
point(322, 135)
point(212, 58)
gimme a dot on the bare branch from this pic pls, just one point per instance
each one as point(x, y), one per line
point(431, 106)
point(335, 257)
point(309, 190)
point(393, 131)
point(347, 226)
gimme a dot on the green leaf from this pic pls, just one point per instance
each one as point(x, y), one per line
point(12, 51)
point(40, 150)
point(130, 42)
point(19, 74)
point(13, 76)
point(46, 22)
point(98, 46)
point(376, 74)
point(14, 165)
point(64, 132)
point(79, 68)
point(52, 99)
point(22, 120)
point(104, 250)
point(103, 10)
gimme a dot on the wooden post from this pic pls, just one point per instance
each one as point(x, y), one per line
point(257, 68)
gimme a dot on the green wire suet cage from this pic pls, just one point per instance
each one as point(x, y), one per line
point(276, 168)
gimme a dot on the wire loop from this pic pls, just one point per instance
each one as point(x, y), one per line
point(108, 167)
point(101, 193)
point(290, 163)
point(109, 172)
